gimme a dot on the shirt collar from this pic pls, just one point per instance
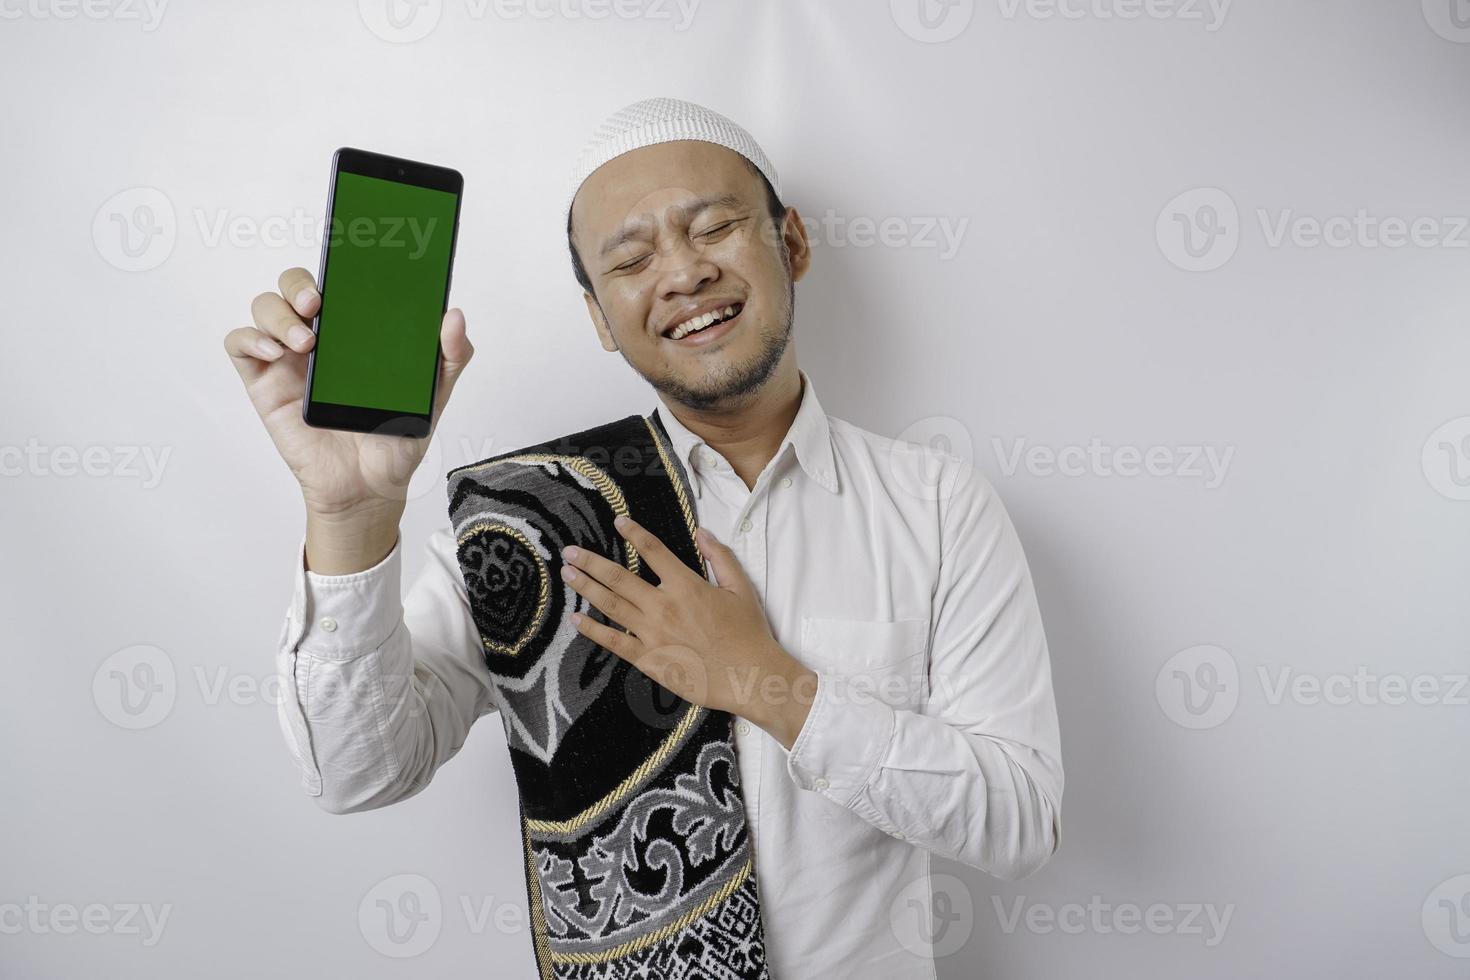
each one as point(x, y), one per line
point(810, 436)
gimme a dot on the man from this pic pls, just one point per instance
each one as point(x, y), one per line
point(871, 625)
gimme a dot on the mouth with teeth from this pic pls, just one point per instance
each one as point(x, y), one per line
point(706, 328)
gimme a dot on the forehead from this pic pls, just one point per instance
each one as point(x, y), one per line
point(652, 178)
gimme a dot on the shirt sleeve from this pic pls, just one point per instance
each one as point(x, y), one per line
point(976, 773)
point(377, 692)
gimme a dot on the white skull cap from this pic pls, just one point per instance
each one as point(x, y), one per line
point(661, 120)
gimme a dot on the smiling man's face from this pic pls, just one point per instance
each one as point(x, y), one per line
point(674, 232)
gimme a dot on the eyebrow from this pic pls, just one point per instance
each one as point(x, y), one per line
point(628, 233)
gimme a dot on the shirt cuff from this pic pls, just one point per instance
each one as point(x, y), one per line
point(339, 617)
point(841, 743)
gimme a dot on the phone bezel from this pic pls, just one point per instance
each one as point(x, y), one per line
point(359, 418)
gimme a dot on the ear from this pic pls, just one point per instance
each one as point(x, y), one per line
point(793, 237)
point(594, 310)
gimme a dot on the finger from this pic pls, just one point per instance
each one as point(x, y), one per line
point(614, 576)
point(625, 645)
point(250, 351)
point(454, 343)
point(728, 572)
point(274, 316)
point(617, 608)
point(299, 289)
point(655, 552)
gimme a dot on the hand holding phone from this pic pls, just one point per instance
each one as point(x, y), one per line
point(343, 475)
point(350, 480)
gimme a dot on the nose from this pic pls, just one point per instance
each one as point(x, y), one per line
point(684, 269)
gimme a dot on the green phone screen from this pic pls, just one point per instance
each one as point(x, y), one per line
point(388, 252)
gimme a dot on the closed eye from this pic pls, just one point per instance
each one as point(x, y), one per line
point(722, 226)
point(632, 264)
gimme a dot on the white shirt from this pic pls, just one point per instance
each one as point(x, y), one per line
point(889, 568)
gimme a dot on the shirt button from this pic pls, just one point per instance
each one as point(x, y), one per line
point(821, 783)
point(328, 623)
point(745, 525)
point(785, 481)
point(743, 727)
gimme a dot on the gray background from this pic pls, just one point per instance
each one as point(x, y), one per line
point(1332, 834)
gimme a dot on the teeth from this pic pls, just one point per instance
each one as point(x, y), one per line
point(700, 322)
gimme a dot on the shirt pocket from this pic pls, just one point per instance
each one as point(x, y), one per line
point(868, 659)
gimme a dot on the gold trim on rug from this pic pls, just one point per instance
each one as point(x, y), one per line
point(543, 585)
point(605, 486)
point(671, 467)
point(538, 916)
point(659, 756)
point(663, 932)
point(604, 483)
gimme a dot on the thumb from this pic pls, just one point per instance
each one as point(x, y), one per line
point(455, 343)
point(728, 573)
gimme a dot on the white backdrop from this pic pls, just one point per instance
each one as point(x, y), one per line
point(1186, 279)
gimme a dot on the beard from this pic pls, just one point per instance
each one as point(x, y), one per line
point(732, 383)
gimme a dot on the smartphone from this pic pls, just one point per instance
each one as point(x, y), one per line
point(387, 257)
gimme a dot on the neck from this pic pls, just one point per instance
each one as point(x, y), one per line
point(749, 434)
